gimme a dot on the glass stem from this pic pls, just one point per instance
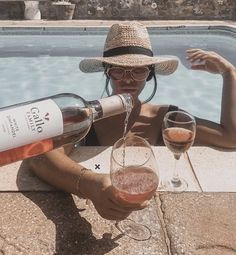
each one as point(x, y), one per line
point(175, 179)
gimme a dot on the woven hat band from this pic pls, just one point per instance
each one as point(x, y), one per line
point(128, 50)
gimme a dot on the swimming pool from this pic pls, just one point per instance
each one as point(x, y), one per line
point(37, 62)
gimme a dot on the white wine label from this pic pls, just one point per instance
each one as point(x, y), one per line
point(112, 105)
point(29, 123)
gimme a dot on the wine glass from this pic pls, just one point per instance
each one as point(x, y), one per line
point(134, 176)
point(178, 131)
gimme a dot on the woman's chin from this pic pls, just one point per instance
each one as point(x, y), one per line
point(133, 92)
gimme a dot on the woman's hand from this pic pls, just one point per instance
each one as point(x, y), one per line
point(105, 199)
point(208, 61)
point(60, 171)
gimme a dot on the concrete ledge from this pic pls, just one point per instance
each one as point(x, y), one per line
point(205, 169)
point(57, 223)
point(215, 169)
point(102, 30)
point(108, 23)
point(18, 177)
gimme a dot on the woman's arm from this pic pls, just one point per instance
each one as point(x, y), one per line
point(56, 168)
point(210, 133)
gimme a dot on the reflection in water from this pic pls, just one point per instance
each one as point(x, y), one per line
point(43, 64)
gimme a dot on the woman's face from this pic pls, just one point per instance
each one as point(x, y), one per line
point(128, 79)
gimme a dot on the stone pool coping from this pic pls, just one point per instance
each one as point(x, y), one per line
point(205, 169)
point(84, 27)
point(37, 219)
point(107, 23)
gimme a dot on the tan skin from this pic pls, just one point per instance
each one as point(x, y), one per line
point(146, 119)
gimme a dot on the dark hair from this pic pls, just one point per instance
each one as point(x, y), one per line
point(151, 74)
point(154, 89)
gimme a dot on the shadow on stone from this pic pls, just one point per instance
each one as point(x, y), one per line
point(73, 233)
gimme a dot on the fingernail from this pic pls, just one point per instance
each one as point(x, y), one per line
point(146, 203)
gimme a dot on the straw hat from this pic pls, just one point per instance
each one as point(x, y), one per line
point(128, 44)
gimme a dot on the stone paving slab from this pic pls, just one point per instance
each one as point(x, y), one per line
point(18, 177)
point(215, 169)
point(52, 223)
point(92, 157)
point(56, 223)
point(200, 223)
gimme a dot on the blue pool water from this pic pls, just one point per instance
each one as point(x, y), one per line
point(41, 62)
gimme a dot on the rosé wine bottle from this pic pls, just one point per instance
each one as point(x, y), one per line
point(32, 128)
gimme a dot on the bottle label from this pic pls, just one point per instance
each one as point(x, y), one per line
point(29, 123)
point(112, 105)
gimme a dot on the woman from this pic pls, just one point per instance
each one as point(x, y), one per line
point(128, 63)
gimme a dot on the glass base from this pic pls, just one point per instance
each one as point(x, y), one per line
point(179, 185)
point(134, 230)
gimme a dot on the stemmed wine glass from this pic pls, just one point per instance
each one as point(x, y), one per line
point(134, 176)
point(178, 131)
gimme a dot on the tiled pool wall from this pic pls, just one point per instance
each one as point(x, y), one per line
point(131, 9)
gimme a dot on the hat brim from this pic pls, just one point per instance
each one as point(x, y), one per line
point(163, 65)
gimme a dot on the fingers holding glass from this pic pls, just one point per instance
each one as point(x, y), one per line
point(134, 177)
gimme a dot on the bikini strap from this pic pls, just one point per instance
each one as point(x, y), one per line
point(172, 108)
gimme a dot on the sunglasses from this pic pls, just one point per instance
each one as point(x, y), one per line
point(137, 73)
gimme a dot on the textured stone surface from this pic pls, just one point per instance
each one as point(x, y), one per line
point(215, 169)
point(12, 10)
point(200, 223)
point(50, 223)
point(98, 158)
point(132, 9)
point(18, 177)
point(56, 223)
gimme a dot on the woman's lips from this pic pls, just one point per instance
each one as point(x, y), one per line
point(128, 89)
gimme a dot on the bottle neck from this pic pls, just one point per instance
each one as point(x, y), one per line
point(110, 106)
point(96, 108)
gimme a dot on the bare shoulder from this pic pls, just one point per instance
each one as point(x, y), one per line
point(152, 117)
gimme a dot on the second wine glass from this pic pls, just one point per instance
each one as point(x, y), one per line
point(178, 131)
point(135, 178)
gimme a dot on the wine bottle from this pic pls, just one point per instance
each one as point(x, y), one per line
point(35, 127)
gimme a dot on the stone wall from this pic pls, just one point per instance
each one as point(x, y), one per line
point(132, 9)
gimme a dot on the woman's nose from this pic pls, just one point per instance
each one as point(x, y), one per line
point(128, 76)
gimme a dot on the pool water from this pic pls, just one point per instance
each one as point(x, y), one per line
point(34, 66)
